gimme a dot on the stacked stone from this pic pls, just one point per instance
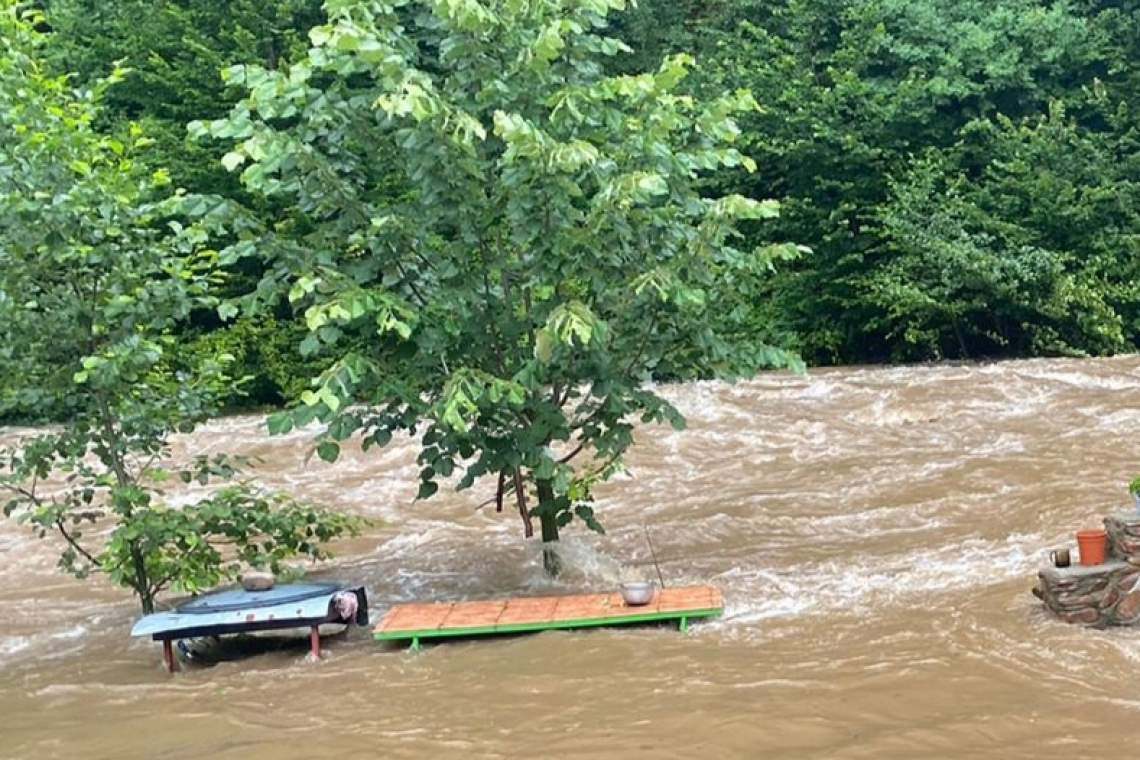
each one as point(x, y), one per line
point(1100, 595)
point(1086, 595)
point(1124, 536)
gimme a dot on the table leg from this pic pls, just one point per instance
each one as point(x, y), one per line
point(168, 655)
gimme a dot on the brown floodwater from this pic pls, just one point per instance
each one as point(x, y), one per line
point(875, 532)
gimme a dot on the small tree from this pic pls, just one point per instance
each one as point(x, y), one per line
point(94, 277)
point(499, 243)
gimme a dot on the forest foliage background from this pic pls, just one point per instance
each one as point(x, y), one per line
point(965, 173)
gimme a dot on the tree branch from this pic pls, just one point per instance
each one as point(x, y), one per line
point(157, 586)
point(572, 454)
point(500, 492)
point(645, 342)
point(520, 495)
point(75, 544)
point(411, 285)
point(29, 495)
point(150, 462)
point(606, 465)
point(111, 445)
point(496, 338)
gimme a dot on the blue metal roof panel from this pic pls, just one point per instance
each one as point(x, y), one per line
point(311, 608)
point(229, 600)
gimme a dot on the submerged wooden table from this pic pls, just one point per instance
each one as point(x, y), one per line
point(413, 622)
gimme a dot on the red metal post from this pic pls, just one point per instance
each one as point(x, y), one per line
point(168, 655)
point(315, 642)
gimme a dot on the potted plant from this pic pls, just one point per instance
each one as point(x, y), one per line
point(1134, 489)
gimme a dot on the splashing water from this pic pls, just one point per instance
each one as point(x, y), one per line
point(875, 532)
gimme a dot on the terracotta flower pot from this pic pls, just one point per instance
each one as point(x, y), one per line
point(1092, 544)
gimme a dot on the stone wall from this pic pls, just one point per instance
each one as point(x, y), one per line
point(1124, 536)
point(1100, 595)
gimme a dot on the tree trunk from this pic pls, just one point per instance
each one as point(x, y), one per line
point(142, 582)
point(548, 518)
point(961, 339)
point(147, 603)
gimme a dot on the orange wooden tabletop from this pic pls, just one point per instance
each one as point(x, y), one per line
point(487, 616)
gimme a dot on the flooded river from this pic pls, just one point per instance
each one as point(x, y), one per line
point(875, 533)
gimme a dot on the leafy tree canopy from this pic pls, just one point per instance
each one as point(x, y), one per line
point(856, 93)
point(172, 53)
point(96, 274)
point(536, 248)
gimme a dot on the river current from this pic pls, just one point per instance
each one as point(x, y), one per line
point(875, 532)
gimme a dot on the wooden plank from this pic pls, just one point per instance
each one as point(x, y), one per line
point(532, 610)
point(417, 616)
point(585, 607)
point(473, 614)
point(481, 618)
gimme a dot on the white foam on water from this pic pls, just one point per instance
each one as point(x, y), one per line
point(584, 565)
point(45, 646)
point(875, 584)
point(878, 522)
point(1004, 443)
point(1121, 420)
point(13, 645)
point(1082, 380)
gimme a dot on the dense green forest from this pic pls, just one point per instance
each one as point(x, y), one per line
point(963, 173)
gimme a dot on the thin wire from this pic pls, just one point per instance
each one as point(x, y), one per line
point(653, 554)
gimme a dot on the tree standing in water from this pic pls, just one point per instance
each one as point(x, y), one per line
point(96, 274)
point(498, 243)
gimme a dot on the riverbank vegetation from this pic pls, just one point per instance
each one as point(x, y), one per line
point(963, 173)
point(100, 266)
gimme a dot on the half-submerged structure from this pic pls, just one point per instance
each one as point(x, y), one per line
point(238, 610)
point(1103, 589)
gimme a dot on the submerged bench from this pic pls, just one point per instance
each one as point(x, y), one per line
point(236, 610)
point(414, 622)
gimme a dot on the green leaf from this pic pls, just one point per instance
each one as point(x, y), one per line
point(279, 423)
point(543, 346)
point(329, 398)
point(233, 160)
point(329, 451)
point(653, 184)
point(227, 310)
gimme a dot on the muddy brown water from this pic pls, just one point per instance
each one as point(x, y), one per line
point(875, 533)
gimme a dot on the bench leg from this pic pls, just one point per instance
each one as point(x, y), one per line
point(415, 647)
point(315, 642)
point(168, 655)
point(683, 627)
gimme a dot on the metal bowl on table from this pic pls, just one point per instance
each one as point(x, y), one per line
point(637, 594)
